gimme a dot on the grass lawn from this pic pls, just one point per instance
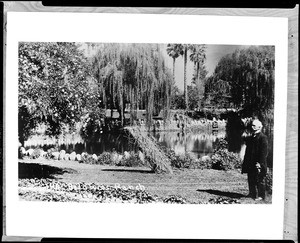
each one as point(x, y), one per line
point(195, 185)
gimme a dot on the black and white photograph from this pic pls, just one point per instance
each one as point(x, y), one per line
point(135, 125)
point(145, 123)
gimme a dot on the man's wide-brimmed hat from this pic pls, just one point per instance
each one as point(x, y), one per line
point(256, 125)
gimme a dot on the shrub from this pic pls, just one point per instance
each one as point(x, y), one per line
point(49, 154)
point(225, 160)
point(182, 161)
point(175, 199)
point(87, 159)
point(222, 159)
point(133, 160)
point(36, 153)
point(105, 158)
point(221, 144)
point(203, 163)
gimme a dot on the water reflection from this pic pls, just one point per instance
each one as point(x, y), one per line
point(197, 144)
point(106, 143)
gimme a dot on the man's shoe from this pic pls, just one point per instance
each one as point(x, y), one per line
point(258, 199)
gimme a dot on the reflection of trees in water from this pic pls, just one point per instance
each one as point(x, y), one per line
point(118, 142)
point(196, 143)
point(202, 146)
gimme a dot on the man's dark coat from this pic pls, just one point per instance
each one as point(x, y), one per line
point(256, 151)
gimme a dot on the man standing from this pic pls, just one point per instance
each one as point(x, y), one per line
point(255, 161)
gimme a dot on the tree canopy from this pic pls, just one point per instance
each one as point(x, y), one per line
point(53, 86)
point(133, 74)
point(246, 77)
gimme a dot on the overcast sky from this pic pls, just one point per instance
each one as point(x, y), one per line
point(213, 54)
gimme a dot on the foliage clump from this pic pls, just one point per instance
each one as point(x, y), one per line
point(222, 159)
point(53, 86)
point(175, 199)
point(87, 159)
point(184, 161)
point(244, 79)
point(133, 160)
point(221, 144)
point(105, 159)
point(36, 153)
point(225, 160)
point(92, 124)
point(49, 154)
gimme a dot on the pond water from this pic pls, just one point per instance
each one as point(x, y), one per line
point(106, 143)
point(197, 144)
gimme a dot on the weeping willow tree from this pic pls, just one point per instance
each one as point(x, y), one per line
point(218, 92)
point(249, 74)
point(133, 74)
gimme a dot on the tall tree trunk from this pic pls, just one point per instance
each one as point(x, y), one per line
point(174, 60)
point(198, 85)
point(121, 106)
point(185, 82)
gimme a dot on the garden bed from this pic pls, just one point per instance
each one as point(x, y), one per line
point(200, 186)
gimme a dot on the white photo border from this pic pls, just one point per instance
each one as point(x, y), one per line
point(147, 220)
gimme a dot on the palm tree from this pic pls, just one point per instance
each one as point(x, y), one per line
point(174, 51)
point(198, 57)
point(185, 50)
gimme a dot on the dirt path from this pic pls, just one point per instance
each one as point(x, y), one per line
point(197, 186)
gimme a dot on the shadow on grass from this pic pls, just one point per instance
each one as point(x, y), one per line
point(222, 193)
point(130, 170)
point(33, 170)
